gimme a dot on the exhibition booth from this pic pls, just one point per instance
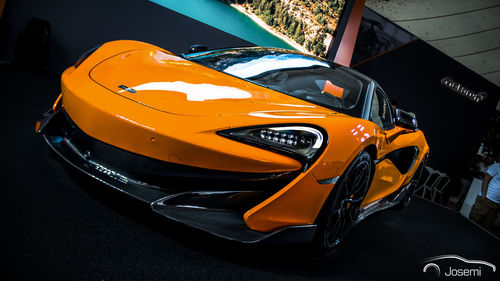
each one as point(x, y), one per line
point(60, 223)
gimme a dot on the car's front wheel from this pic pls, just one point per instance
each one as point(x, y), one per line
point(341, 209)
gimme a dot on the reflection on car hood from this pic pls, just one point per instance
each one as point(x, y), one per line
point(171, 84)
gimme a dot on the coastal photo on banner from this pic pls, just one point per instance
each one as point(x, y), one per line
point(304, 25)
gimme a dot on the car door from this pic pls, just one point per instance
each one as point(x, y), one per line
point(387, 178)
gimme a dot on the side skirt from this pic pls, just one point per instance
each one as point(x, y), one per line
point(383, 203)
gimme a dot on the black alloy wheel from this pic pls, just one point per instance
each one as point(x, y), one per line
point(342, 206)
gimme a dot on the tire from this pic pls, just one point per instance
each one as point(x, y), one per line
point(341, 209)
point(405, 202)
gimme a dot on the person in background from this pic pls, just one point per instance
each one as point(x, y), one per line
point(485, 209)
point(488, 160)
point(476, 169)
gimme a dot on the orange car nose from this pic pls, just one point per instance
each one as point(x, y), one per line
point(187, 140)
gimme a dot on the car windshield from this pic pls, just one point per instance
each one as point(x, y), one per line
point(295, 74)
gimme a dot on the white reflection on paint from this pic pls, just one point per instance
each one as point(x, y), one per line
point(295, 105)
point(163, 57)
point(135, 122)
point(168, 59)
point(272, 62)
point(279, 114)
point(360, 128)
point(195, 92)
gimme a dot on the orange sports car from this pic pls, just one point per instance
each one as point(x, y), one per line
point(244, 143)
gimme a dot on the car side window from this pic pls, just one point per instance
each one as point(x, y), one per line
point(381, 111)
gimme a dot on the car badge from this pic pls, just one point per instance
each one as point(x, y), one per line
point(130, 90)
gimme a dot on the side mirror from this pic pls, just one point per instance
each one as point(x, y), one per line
point(406, 120)
point(197, 48)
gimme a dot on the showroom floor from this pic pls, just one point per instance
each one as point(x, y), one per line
point(60, 225)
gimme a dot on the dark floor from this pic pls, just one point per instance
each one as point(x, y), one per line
point(59, 225)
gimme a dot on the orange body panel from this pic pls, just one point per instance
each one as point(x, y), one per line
point(387, 178)
point(179, 106)
point(129, 123)
point(297, 204)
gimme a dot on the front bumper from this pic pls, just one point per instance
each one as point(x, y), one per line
point(209, 200)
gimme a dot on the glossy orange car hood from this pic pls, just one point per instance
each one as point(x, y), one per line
point(172, 84)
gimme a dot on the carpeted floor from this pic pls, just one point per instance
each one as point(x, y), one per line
point(60, 225)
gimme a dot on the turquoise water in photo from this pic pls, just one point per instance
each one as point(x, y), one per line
point(226, 18)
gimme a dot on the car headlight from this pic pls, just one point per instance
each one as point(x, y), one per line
point(303, 141)
point(85, 55)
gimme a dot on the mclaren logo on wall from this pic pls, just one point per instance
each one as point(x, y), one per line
point(456, 266)
point(460, 89)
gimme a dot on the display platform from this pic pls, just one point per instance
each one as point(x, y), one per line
point(61, 225)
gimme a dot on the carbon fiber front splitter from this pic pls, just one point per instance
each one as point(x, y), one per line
point(205, 210)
